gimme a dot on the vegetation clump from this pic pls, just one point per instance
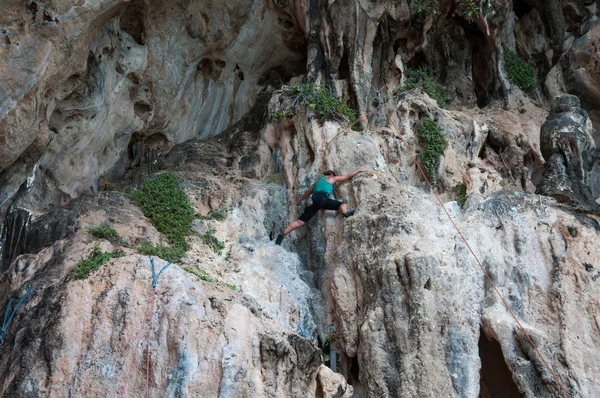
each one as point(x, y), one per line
point(434, 143)
point(421, 9)
point(419, 78)
point(214, 214)
point(108, 233)
point(469, 8)
point(319, 99)
point(461, 194)
point(202, 275)
point(95, 260)
point(164, 201)
point(172, 253)
point(211, 240)
point(519, 72)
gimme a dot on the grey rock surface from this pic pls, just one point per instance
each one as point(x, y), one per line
point(570, 152)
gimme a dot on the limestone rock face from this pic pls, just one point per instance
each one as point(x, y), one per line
point(570, 152)
point(83, 82)
point(206, 339)
point(412, 306)
point(96, 96)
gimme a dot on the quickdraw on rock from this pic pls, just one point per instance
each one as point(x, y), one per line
point(7, 317)
point(147, 319)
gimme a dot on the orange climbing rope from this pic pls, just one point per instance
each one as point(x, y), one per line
point(381, 106)
point(473, 253)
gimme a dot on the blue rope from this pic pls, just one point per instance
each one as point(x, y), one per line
point(155, 276)
point(8, 318)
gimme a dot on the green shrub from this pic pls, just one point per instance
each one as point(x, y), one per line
point(424, 8)
point(201, 275)
point(519, 72)
point(469, 8)
point(211, 240)
point(461, 193)
point(163, 200)
point(320, 100)
point(217, 214)
point(108, 233)
point(419, 78)
point(172, 253)
point(95, 260)
point(231, 286)
point(433, 142)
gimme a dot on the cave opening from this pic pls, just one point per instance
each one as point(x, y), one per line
point(482, 61)
point(495, 377)
point(135, 150)
point(521, 8)
point(344, 69)
point(132, 21)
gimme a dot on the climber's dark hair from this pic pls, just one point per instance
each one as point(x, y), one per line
point(329, 172)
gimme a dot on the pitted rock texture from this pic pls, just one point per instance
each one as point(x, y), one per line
point(98, 95)
point(207, 340)
point(570, 152)
point(81, 83)
point(406, 296)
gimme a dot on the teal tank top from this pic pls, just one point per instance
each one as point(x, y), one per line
point(323, 186)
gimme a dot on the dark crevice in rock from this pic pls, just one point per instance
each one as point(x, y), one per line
point(521, 8)
point(496, 377)
point(551, 12)
point(141, 109)
point(132, 21)
point(483, 63)
point(13, 241)
point(344, 68)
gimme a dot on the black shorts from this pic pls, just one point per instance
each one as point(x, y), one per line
point(320, 201)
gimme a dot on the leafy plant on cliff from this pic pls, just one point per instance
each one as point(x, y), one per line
point(433, 142)
point(461, 194)
point(319, 99)
point(108, 233)
point(200, 275)
point(419, 78)
point(163, 200)
point(469, 8)
point(172, 253)
point(424, 8)
point(95, 260)
point(214, 214)
point(519, 72)
point(211, 240)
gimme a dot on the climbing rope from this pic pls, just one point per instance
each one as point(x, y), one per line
point(382, 106)
point(8, 318)
point(147, 322)
point(475, 256)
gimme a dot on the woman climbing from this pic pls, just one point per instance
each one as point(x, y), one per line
point(320, 191)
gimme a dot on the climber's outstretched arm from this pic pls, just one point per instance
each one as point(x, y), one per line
point(306, 194)
point(348, 176)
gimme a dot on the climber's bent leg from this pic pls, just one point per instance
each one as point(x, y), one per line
point(293, 226)
point(343, 209)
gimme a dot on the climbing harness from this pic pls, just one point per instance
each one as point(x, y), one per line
point(8, 318)
point(147, 321)
point(382, 106)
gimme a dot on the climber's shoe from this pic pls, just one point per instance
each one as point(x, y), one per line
point(349, 213)
point(279, 239)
